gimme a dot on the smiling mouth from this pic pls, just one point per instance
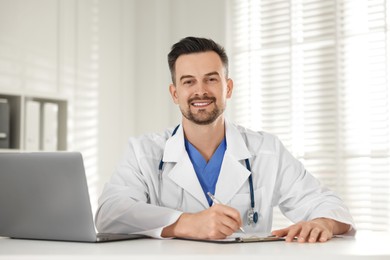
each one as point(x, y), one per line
point(201, 103)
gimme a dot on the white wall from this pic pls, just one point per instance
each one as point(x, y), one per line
point(116, 77)
point(28, 56)
point(109, 57)
point(135, 39)
point(51, 48)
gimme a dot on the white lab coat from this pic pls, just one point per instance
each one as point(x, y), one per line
point(130, 202)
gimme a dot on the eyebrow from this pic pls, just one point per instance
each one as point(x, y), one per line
point(212, 74)
point(207, 75)
point(185, 77)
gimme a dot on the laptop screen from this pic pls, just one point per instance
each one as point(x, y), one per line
point(44, 195)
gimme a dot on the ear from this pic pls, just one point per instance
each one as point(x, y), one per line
point(173, 91)
point(229, 91)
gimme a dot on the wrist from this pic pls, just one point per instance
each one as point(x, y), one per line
point(177, 229)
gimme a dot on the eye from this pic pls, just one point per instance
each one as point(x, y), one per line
point(188, 82)
point(212, 80)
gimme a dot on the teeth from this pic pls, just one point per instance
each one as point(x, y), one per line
point(201, 104)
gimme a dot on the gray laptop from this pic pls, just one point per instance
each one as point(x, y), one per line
point(44, 195)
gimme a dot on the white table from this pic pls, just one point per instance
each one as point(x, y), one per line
point(365, 245)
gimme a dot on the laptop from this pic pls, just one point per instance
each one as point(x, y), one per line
point(44, 195)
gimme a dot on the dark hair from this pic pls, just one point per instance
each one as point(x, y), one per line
point(190, 45)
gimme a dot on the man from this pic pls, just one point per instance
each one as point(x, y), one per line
point(160, 188)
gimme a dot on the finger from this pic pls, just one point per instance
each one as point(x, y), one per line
point(230, 225)
point(280, 232)
point(217, 233)
point(231, 214)
point(314, 235)
point(226, 230)
point(234, 215)
point(304, 233)
point(226, 217)
point(293, 231)
point(325, 236)
point(215, 229)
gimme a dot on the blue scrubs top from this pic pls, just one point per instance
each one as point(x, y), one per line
point(207, 172)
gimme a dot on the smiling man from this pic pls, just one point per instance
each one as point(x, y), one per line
point(201, 92)
point(160, 188)
point(198, 91)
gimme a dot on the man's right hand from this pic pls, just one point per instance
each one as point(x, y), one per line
point(216, 222)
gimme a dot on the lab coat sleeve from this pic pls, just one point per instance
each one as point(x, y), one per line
point(125, 204)
point(301, 197)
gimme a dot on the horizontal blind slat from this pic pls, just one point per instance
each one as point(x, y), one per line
point(322, 86)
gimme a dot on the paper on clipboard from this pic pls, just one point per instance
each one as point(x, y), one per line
point(243, 238)
point(254, 237)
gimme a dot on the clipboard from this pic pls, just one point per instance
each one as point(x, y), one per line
point(239, 238)
point(257, 239)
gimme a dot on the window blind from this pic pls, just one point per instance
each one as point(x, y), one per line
point(315, 73)
point(82, 84)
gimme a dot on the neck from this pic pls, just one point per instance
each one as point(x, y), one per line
point(205, 138)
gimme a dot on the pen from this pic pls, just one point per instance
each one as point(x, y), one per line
point(216, 201)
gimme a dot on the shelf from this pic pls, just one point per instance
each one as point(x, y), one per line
point(21, 122)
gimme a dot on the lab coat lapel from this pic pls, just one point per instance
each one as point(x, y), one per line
point(233, 170)
point(183, 173)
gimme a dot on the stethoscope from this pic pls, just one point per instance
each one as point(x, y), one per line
point(252, 215)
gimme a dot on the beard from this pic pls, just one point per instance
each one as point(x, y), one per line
point(202, 116)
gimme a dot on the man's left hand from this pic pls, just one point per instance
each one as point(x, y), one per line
point(316, 230)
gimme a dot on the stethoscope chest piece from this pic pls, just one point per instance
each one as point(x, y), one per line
point(253, 217)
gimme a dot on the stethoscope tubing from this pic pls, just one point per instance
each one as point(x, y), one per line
point(250, 181)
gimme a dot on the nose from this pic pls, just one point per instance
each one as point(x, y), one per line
point(201, 89)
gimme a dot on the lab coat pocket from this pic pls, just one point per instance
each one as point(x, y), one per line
point(242, 202)
point(171, 195)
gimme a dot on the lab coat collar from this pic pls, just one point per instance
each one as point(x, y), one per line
point(183, 173)
point(174, 147)
point(236, 145)
point(233, 172)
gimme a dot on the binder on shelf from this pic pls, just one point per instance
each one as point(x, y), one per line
point(4, 124)
point(32, 126)
point(49, 127)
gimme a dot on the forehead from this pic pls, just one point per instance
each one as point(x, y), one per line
point(198, 64)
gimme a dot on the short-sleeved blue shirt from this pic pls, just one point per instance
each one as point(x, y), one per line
point(207, 172)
